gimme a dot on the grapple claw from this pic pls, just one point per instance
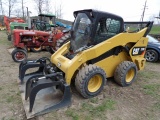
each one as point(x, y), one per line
point(66, 101)
point(25, 65)
point(35, 87)
point(28, 84)
point(37, 83)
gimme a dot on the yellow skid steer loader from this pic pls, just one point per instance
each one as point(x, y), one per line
point(102, 45)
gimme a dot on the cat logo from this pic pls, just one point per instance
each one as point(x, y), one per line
point(138, 51)
point(135, 51)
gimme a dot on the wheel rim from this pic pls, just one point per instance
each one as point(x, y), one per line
point(130, 75)
point(150, 56)
point(19, 56)
point(95, 83)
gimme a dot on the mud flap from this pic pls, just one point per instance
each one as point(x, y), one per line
point(25, 65)
point(45, 94)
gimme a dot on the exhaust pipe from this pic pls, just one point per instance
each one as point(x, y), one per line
point(28, 19)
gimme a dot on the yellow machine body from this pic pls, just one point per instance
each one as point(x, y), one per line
point(109, 64)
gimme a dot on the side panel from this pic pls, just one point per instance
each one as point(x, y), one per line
point(109, 64)
point(137, 52)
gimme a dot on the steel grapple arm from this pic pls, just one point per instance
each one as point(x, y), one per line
point(25, 65)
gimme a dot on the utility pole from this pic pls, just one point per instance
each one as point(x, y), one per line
point(158, 18)
point(144, 10)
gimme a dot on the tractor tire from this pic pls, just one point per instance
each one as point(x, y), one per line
point(62, 41)
point(90, 81)
point(151, 56)
point(38, 49)
point(125, 73)
point(19, 55)
point(9, 38)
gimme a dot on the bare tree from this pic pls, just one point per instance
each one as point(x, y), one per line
point(11, 4)
point(40, 5)
point(1, 6)
point(18, 12)
point(58, 10)
point(47, 8)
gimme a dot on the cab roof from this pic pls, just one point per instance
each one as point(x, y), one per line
point(47, 15)
point(97, 13)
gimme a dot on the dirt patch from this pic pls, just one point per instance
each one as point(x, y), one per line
point(136, 102)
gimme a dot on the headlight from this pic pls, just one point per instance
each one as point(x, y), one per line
point(159, 47)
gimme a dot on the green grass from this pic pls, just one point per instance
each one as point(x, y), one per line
point(94, 100)
point(149, 75)
point(155, 29)
point(4, 42)
point(3, 39)
point(8, 94)
point(72, 113)
point(152, 89)
point(89, 111)
point(156, 106)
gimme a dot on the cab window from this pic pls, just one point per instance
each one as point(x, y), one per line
point(107, 28)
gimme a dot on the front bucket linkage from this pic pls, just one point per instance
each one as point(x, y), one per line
point(41, 92)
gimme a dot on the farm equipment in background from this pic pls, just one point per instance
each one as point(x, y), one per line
point(2, 27)
point(14, 23)
point(18, 23)
point(23, 39)
point(49, 18)
point(99, 48)
point(60, 24)
point(38, 35)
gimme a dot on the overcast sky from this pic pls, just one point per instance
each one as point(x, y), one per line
point(130, 10)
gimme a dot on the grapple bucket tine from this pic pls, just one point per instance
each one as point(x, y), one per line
point(28, 88)
point(21, 66)
point(28, 85)
point(66, 101)
point(24, 67)
point(37, 86)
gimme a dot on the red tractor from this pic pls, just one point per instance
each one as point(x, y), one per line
point(23, 39)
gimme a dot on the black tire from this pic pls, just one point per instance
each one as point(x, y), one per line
point(151, 55)
point(22, 55)
point(90, 81)
point(36, 49)
point(62, 41)
point(9, 37)
point(125, 73)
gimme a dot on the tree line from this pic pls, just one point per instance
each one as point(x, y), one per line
point(18, 8)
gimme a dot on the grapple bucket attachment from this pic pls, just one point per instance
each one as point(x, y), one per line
point(25, 65)
point(42, 94)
